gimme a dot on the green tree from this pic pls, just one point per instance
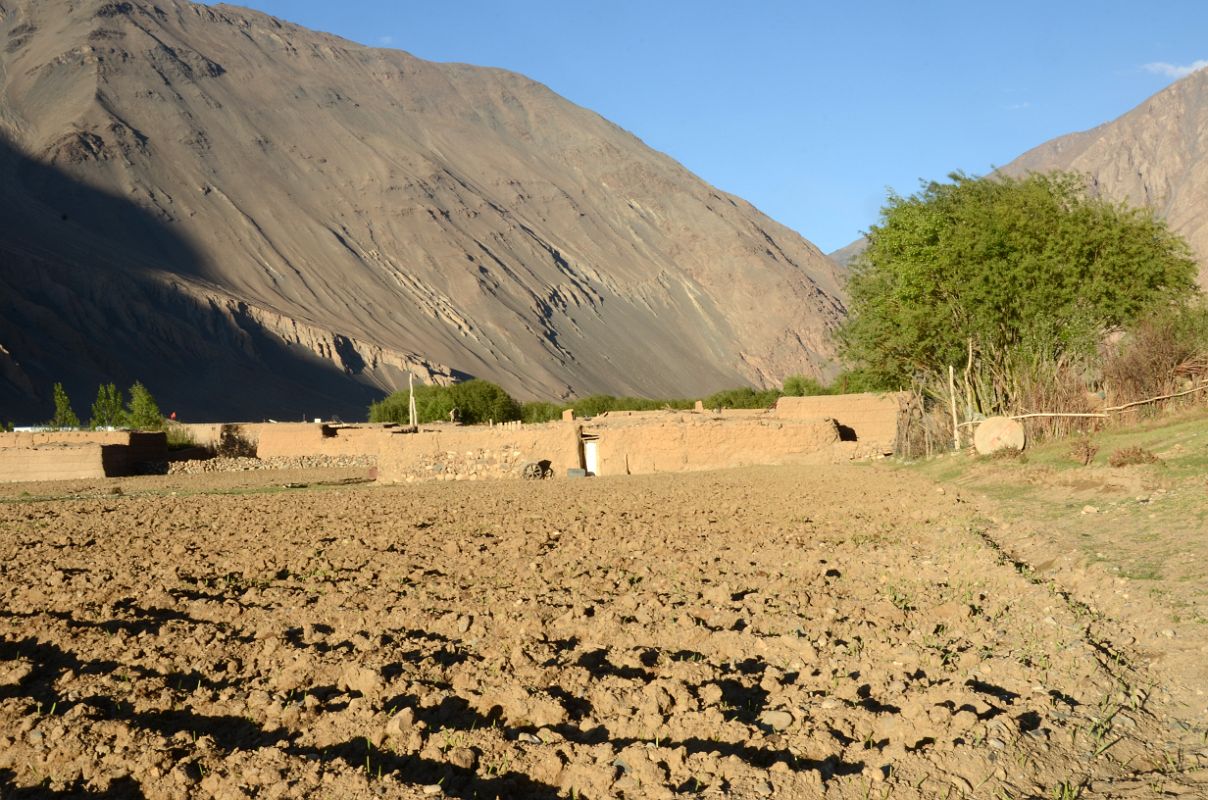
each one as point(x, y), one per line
point(64, 417)
point(801, 386)
point(142, 414)
point(541, 411)
point(742, 397)
point(1032, 268)
point(476, 401)
point(107, 410)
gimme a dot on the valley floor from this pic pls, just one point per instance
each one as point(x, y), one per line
point(848, 632)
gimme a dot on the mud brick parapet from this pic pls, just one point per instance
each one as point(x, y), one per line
point(298, 439)
point(870, 419)
point(69, 455)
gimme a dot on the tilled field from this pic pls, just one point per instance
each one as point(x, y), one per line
point(846, 632)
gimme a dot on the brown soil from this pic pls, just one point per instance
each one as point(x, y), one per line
point(788, 632)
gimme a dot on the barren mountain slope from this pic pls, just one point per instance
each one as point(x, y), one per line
point(1153, 155)
point(295, 204)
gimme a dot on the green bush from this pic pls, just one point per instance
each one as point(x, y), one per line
point(541, 411)
point(476, 401)
point(801, 386)
point(179, 437)
point(743, 397)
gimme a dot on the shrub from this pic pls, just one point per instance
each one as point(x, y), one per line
point(64, 417)
point(1145, 362)
point(179, 437)
point(594, 405)
point(743, 397)
point(801, 386)
point(476, 401)
point(1127, 456)
point(1083, 450)
point(541, 411)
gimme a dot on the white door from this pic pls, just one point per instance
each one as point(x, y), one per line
point(591, 457)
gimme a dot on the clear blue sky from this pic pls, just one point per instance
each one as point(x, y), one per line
point(809, 109)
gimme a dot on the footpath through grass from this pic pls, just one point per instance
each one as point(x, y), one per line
point(1145, 524)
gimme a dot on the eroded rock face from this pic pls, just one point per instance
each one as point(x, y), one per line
point(452, 218)
point(1152, 156)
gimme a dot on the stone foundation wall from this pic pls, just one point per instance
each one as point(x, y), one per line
point(461, 453)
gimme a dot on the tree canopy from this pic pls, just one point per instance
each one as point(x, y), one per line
point(1034, 265)
point(475, 401)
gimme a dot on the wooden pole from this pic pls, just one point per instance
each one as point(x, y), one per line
point(412, 416)
point(956, 427)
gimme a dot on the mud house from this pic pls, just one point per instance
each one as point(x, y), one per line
point(809, 430)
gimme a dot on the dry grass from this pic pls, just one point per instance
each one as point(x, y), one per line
point(1128, 456)
point(1083, 450)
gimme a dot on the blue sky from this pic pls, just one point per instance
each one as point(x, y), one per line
point(809, 109)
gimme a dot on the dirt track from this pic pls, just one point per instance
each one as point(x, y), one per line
point(778, 632)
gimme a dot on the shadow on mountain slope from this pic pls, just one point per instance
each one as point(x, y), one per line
point(88, 294)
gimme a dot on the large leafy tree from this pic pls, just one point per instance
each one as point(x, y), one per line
point(1033, 267)
point(476, 401)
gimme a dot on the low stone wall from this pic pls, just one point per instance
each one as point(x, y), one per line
point(870, 418)
point(450, 452)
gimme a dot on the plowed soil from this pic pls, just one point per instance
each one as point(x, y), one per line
point(848, 632)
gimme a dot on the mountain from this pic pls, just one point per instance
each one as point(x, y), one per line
point(844, 255)
point(256, 219)
point(1153, 155)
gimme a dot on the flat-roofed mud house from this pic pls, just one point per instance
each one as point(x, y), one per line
point(799, 430)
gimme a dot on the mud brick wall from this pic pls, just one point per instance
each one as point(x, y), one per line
point(138, 447)
point(694, 443)
point(871, 417)
point(55, 462)
point(460, 453)
point(292, 440)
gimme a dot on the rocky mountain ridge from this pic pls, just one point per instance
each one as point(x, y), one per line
point(315, 219)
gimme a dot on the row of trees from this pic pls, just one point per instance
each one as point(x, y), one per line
point(110, 409)
point(478, 401)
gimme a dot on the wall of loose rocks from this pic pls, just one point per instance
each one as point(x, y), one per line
point(449, 452)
